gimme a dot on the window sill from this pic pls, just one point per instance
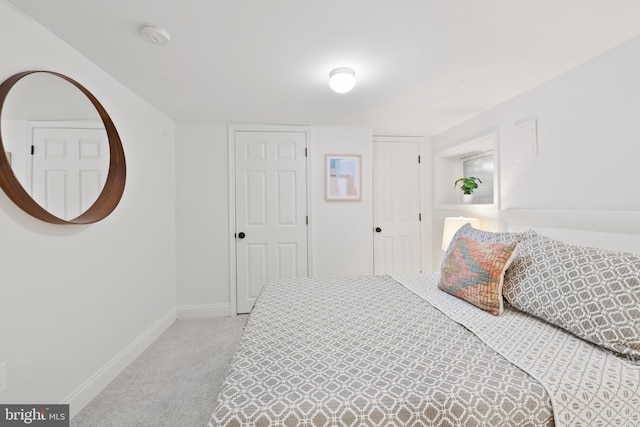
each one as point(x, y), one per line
point(467, 206)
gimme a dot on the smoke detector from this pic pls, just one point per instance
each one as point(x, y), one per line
point(156, 35)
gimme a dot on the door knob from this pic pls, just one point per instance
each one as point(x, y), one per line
point(241, 235)
point(378, 229)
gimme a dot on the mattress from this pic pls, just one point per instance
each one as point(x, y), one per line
point(369, 351)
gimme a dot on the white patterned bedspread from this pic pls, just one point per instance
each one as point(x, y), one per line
point(368, 351)
point(588, 385)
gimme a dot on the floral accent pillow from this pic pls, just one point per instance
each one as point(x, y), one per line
point(474, 271)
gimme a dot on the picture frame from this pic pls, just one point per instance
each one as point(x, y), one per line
point(343, 177)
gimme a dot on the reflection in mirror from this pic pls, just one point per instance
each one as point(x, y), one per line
point(58, 144)
point(61, 158)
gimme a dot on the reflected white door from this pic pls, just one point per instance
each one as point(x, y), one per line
point(271, 210)
point(396, 215)
point(69, 168)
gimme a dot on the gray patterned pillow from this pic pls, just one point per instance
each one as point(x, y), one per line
point(592, 293)
point(468, 231)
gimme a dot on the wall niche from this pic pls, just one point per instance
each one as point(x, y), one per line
point(473, 157)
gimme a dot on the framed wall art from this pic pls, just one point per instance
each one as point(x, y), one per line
point(343, 177)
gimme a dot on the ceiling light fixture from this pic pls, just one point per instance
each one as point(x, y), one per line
point(342, 80)
point(156, 35)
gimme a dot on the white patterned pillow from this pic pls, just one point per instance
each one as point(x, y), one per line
point(592, 293)
point(468, 231)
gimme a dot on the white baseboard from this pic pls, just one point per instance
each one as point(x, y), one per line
point(203, 311)
point(81, 396)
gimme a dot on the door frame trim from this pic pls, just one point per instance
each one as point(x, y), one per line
point(231, 155)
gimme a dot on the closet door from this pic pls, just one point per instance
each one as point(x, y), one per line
point(396, 207)
point(271, 200)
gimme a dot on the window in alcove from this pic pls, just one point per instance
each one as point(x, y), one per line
point(481, 166)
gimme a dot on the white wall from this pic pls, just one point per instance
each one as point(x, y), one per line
point(202, 218)
point(342, 232)
point(341, 237)
point(77, 303)
point(588, 149)
point(14, 140)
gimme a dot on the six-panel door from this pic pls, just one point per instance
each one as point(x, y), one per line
point(396, 204)
point(69, 169)
point(271, 210)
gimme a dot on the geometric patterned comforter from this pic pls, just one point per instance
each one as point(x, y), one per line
point(368, 351)
point(588, 385)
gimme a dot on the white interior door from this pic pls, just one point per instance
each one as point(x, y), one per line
point(396, 215)
point(69, 169)
point(271, 211)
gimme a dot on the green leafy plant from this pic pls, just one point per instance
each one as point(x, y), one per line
point(467, 185)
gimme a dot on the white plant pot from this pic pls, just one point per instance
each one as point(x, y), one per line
point(467, 198)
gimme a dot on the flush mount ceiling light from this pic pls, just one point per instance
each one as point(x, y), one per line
point(342, 80)
point(156, 35)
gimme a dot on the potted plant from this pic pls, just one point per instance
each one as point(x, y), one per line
point(467, 185)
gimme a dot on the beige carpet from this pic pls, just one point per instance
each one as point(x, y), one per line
point(174, 382)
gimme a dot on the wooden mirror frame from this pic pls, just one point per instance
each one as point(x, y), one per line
point(116, 177)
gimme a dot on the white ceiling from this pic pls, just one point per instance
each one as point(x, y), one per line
point(422, 65)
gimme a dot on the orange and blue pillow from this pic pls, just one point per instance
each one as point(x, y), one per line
point(474, 271)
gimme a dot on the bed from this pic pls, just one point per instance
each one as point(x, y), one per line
point(398, 351)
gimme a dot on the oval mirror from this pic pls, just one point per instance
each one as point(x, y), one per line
point(61, 158)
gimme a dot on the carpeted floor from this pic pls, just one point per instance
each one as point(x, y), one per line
point(173, 383)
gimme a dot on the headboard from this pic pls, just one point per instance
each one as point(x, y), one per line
point(598, 239)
